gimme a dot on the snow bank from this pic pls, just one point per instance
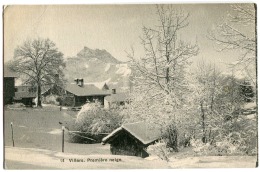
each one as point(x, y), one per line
point(55, 131)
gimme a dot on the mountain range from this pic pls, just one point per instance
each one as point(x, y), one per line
point(98, 67)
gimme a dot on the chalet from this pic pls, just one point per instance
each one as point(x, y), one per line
point(25, 95)
point(9, 85)
point(116, 100)
point(79, 93)
point(132, 139)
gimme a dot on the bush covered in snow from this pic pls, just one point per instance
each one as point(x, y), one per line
point(159, 149)
point(16, 106)
point(51, 99)
point(94, 121)
point(232, 144)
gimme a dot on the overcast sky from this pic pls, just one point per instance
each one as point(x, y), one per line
point(114, 28)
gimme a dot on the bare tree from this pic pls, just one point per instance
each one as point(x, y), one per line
point(39, 63)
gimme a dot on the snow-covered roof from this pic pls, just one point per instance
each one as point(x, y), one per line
point(85, 90)
point(118, 97)
point(140, 130)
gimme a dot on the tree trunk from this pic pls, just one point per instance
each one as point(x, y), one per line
point(39, 101)
point(213, 91)
point(204, 140)
point(167, 74)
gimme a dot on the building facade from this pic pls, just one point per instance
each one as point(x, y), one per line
point(9, 86)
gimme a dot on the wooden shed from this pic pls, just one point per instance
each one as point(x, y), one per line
point(132, 139)
point(9, 85)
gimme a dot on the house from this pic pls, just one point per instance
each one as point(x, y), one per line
point(116, 100)
point(9, 85)
point(132, 139)
point(25, 94)
point(78, 94)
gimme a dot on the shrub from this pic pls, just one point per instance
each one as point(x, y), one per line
point(51, 99)
point(67, 101)
point(170, 136)
point(176, 137)
point(201, 148)
point(60, 99)
point(16, 105)
point(95, 122)
point(232, 144)
point(159, 149)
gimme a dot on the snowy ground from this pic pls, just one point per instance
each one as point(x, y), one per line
point(215, 162)
point(26, 158)
point(37, 135)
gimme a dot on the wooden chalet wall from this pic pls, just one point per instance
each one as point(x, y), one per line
point(8, 90)
point(125, 144)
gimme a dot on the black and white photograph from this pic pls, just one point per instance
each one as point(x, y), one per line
point(130, 86)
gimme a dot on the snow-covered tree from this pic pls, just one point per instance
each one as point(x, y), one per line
point(206, 87)
point(220, 100)
point(238, 32)
point(161, 88)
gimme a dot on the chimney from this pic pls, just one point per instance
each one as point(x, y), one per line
point(113, 91)
point(80, 82)
point(76, 81)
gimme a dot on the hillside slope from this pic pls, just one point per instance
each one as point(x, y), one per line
point(98, 66)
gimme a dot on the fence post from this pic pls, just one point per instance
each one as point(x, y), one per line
point(12, 133)
point(63, 129)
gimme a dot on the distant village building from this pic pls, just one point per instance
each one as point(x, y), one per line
point(78, 93)
point(132, 139)
point(116, 100)
point(25, 94)
point(9, 85)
